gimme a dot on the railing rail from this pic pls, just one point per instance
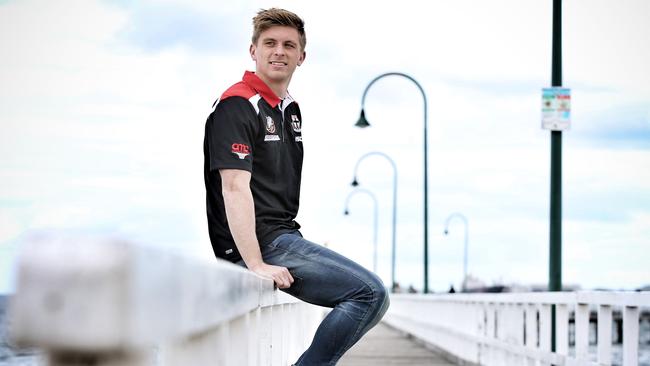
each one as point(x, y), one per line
point(515, 328)
point(120, 304)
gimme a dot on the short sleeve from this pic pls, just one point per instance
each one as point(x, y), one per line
point(230, 134)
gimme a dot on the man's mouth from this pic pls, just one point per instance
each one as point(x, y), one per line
point(278, 63)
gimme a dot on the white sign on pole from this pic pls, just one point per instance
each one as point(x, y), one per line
point(556, 109)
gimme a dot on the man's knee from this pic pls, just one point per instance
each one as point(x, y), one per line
point(383, 299)
point(380, 294)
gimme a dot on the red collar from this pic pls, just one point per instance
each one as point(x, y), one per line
point(260, 86)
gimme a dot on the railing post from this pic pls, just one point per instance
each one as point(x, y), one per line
point(582, 331)
point(531, 330)
point(605, 334)
point(531, 326)
point(562, 329)
point(276, 333)
point(286, 329)
point(499, 327)
point(630, 336)
point(487, 352)
point(545, 327)
point(517, 314)
point(254, 325)
point(266, 339)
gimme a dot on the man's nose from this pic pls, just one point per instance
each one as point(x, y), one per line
point(279, 50)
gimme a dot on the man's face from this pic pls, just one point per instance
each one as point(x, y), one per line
point(277, 53)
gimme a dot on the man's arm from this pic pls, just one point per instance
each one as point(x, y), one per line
point(240, 211)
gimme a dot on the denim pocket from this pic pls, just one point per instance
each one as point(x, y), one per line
point(274, 243)
point(295, 244)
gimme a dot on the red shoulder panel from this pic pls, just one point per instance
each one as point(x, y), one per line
point(238, 90)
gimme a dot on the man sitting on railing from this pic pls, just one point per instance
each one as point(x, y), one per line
point(253, 161)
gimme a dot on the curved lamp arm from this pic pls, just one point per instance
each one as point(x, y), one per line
point(363, 122)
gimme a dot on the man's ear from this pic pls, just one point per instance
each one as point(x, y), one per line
point(251, 50)
point(302, 58)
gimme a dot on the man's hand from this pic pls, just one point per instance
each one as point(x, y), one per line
point(280, 275)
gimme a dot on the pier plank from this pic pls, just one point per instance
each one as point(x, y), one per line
point(384, 345)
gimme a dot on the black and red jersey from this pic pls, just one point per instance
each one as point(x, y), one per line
point(254, 130)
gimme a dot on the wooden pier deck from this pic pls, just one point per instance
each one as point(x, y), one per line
point(384, 345)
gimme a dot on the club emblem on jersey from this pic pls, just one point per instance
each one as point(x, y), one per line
point(295, 123)
point(270, 125)
point(241, 150)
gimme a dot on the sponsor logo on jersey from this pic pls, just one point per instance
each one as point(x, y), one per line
point(270, 125)
point(241, 150)
point(298, 138)
point(295, 123)
point(271, 138)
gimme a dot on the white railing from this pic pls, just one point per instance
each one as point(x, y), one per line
point(111, 303)
point(515, 328)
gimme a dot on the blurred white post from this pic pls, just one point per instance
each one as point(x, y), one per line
point(545, 319)
point(562, 329)
point(630, 336)
point(605, 334)
point(531, 331)
point(582, 331)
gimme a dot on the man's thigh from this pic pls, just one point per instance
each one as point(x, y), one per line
point(321, 276)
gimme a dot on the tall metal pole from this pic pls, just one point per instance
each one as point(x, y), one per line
point(355, 183)
point(555, 237)
point(375, 221)
point(363, 123)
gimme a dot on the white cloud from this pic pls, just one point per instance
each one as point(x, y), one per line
point(605, 45)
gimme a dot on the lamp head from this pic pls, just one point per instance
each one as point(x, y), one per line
point(346, 212)
point(446, 232)
point(362, 122)
point(354, 182)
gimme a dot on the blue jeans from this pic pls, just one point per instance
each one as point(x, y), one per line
point(326, 278)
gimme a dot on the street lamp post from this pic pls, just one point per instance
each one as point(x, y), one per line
point(555, 235)
point(363, 122)
point(464, 219)
point(355, 183)
point(374, 238)
point(555, 230)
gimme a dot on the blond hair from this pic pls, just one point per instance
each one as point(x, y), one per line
point(267, 18)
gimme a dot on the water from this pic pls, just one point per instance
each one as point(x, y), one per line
point(9, 355)
point(32, 360)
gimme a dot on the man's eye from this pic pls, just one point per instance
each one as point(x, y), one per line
point(291, 46)
point(269, 43)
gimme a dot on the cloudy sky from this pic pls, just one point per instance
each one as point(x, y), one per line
point(103, 105)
